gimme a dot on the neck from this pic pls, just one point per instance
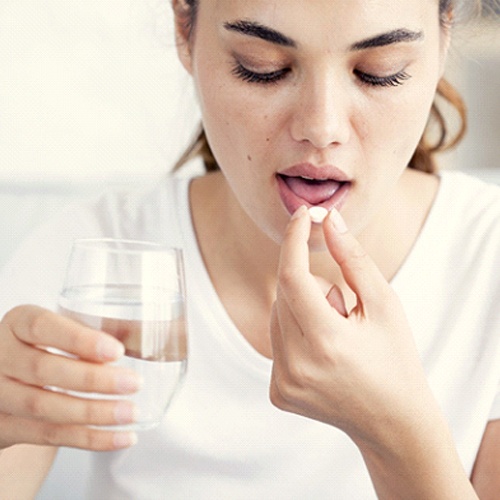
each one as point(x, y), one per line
point(242, 261)
point(228, 238)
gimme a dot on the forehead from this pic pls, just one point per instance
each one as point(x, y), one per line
point(321, 11)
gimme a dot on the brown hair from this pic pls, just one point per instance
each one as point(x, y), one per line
point(437, 137)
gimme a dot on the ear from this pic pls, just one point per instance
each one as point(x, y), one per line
point(183, 27)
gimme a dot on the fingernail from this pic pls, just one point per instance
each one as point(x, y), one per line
point(127, 383)
point(109, 349)
point(124, 439)
point(299, 212)
point(126, 412)
point(337, 221)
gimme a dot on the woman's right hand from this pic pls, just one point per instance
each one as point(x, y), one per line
point(32, 413)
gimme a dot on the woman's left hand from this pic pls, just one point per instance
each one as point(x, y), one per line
point(360, 370)
point(357, 370)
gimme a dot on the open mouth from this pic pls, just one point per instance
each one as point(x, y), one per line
point(300, 188)
point(312, 191)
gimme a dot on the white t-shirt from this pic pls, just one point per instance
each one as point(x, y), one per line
point(222, 438)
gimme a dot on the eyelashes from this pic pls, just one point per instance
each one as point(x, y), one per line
point(264, 78)
point(275, 76)
point(383, 81)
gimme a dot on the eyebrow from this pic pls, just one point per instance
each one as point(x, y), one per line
point(258, 30)
point(389, 38)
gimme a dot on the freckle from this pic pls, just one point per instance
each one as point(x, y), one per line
point(267, 140)
point(249, 158)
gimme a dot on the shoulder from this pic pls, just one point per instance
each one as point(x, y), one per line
point(468, 193)
point(463, 235)
point(469, 206)
point(152, 213)
point(36, 270)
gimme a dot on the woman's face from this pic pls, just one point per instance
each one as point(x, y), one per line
point(317, 102)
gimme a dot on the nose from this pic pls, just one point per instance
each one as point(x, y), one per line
point(321, 113)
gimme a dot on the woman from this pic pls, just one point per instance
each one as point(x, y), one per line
point(388, 345)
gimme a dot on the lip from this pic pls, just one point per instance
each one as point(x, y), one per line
point(328, 172)
point(316, 172)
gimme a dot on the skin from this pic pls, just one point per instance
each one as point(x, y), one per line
point(321, 112)
point(310, 280)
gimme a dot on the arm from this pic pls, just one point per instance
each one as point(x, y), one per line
point(360, 370)
point(23, 469)
point(486, 472)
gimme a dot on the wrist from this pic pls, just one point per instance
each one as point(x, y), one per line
point(417, 461)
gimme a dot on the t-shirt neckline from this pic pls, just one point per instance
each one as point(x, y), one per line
point(228, 329)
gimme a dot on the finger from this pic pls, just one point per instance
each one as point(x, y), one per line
point(23, 430)
point(336, 300)
point(41, 327)
point(40, 368)
point(295, 282)
point(57, 407)
point(358, 269)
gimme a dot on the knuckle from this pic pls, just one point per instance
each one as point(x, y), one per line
point(278, 398)
point(75, 339)
point(38, 325)
point(38, 370)
point(291, 383)
point(356, 257)
point(34, 405)
point(287, 276)
point(95, 440)
point(94, 413)
point(90, 380)
point(275, 397)
point(75, 436)
point(296, 374)
point(51, 435)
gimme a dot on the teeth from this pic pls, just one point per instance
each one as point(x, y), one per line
point(312, 178)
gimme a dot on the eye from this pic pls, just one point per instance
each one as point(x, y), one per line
point(263, 78)
point(382, 81)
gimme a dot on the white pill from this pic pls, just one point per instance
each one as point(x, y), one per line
point(318, 214)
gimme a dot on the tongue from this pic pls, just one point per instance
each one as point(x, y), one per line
point(312, 191)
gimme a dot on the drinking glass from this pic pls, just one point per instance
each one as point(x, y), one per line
point(134, 291)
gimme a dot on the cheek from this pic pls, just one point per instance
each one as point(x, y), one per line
point(241, 131)
point(398, 124)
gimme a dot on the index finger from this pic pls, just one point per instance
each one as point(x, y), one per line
point(41, 327)
point(304, 296)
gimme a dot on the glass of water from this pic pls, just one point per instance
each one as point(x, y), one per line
point(134, 291)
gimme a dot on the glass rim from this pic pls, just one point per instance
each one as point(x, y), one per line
point(125, 245)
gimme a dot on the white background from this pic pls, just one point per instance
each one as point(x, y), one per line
point(90, 89)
